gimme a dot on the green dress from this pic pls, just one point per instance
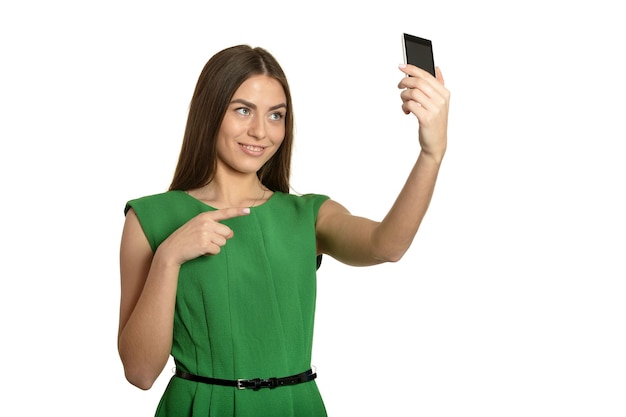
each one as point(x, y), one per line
point(245, 313)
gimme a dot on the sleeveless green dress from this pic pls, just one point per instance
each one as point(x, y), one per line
point(245, 313)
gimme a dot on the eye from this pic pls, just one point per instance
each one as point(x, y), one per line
point(277, 116)
point(244, 111)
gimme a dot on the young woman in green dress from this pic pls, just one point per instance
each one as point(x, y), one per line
point(219, 271)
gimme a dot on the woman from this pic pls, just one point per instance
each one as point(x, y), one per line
point(219, 271)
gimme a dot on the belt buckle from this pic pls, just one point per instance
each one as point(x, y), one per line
point(257, 383)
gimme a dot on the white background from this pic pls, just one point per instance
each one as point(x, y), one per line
point(510, 301)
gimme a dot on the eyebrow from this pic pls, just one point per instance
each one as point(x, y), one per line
point(253, 106)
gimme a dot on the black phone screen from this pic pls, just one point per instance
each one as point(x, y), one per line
point(419, 52)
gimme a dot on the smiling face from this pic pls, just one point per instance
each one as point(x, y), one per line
point(253, 127)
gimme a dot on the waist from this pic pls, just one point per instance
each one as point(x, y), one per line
point(255, 383)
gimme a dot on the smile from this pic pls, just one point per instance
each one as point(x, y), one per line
point(253, 150)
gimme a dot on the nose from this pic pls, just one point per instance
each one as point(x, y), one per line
point(257, 128)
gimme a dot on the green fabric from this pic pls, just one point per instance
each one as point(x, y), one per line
point(247, 312)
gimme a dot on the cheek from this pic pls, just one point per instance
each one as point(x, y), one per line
point(231, 127)
point(277, 140)
point(278, 135)
point(233, 130)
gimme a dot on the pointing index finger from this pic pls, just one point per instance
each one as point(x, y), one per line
point(229, 213)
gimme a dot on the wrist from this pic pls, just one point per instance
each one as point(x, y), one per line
point(163, 258)
point(433, 156)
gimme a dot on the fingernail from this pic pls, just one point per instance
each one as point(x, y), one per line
point(401, 66)
point(246, 210)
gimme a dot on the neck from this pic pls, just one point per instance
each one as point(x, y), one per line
point(228, 191)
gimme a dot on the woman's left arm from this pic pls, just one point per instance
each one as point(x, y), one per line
point(359, 241)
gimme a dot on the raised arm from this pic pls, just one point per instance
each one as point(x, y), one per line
point(359, 241)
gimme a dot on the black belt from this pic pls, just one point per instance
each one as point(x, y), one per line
point(255, 384)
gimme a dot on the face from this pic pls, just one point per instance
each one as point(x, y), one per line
point(253, 127)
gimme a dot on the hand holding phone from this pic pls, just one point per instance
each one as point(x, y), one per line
point(418, 52)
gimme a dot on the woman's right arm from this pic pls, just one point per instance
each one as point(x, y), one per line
point(148, 296)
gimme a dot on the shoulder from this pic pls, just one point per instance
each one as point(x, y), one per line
point(302, 201)
point(160, 214)
point(154, 201)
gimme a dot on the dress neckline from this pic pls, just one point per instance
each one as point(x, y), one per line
point(271, 197)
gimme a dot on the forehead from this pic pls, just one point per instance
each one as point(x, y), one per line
point(261, 88)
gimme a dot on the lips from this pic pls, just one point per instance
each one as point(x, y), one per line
point(252, 149)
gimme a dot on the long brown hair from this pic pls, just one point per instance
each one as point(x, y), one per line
point(221, 77)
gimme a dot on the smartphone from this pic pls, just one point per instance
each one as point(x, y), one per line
point(418, 52)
